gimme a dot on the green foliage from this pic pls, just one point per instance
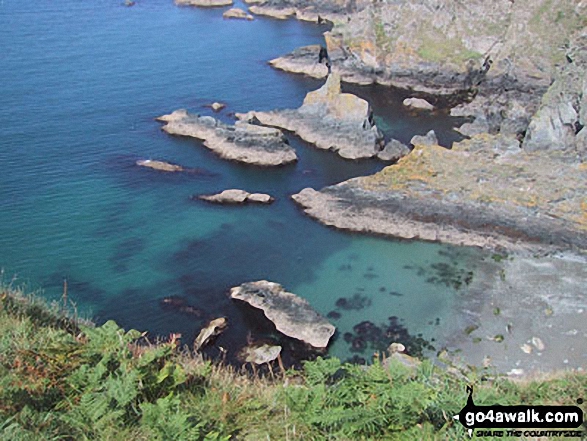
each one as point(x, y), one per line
point(99, 383)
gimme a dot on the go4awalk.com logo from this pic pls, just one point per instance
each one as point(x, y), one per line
point(527, 421)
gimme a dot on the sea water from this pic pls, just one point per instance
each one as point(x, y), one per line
point(80, 86)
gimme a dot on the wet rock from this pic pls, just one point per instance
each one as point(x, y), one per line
point(242, 142)
point(213, 329)
point(292, 315)
point(234, 196)
point(239, 14)
point(159, 165)
point(356, 302)
point(429, 139)
point(216, 106)
point(330, 120)
point(260, 354)
point(418, 103)
point(204, 3)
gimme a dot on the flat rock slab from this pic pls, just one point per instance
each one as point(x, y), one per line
point(292, 315)
point(241, 142)
point(260, 354)
point(330, 120)
point(234, 196)
point(418, 103)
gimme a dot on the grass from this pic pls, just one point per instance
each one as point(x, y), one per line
point(64, 379)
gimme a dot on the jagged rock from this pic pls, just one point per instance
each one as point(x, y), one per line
point(292, 315)
point(280, 13)
point(243, 142)
point(213, 329)
point(478, 126)
point(552, 128)
point(234, 196)
point(204, 3)
point(216, 106)
point(538, 343)
point(260, 354)
point(429, 139)
point(418, 103)
point(237, 13)
point(330, 120)
point(394, 150)
point(159, 165)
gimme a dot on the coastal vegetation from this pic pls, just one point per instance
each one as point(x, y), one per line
point(65, 378)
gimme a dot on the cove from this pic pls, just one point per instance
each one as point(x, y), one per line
point(82, 84)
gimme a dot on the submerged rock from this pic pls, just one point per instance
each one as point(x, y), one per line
point(243, 142)
point(234, 196)
point(331, 120)
point(292, 315)
point(237, 13)
point(418, 103)
point(159, 165)
point(213, 329)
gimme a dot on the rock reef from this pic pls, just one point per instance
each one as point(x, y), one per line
point(159, 165)
point(235, 196)
point(331, 120)
point(292, 315)
point(243, 142)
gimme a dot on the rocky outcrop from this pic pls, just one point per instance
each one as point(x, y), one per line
point(563, 110)
point(292, 315)
point(330, 120)
point(204, 3)
point(213, 329)
point(484, 192)
point(237, 197)
point(237, 13)
point(159, 165)
point(280, 13)
point(243, 142)
point(418, 103)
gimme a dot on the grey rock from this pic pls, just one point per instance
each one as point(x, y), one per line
point(330, 120)
point(260, 354)
point(242, 142)
point(429, 139)
point(234, 196)
point(292, 315)
point(214, 328)
point(393, 151)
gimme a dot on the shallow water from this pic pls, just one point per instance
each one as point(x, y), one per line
point(81, 84)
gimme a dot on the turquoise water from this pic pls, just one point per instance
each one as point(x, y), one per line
point(80, 85)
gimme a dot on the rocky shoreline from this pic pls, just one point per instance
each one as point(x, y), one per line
point(520, 201)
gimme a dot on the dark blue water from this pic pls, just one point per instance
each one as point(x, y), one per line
point(81, 83)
